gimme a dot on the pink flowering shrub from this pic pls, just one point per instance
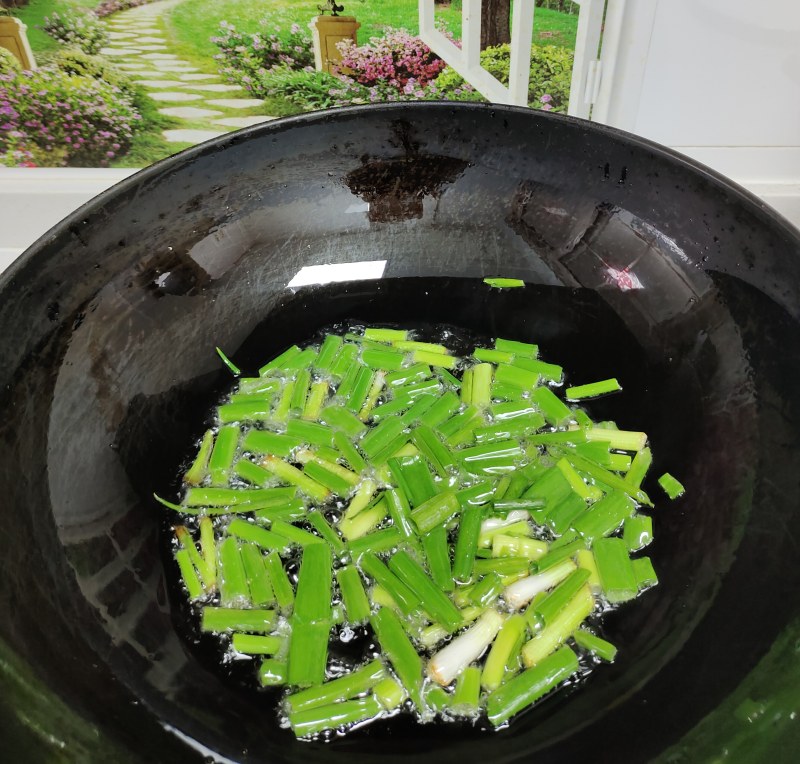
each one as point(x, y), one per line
point(83, 30)
point(107, 7)
point(244, 57)
point(394, 60)
point(52, 118)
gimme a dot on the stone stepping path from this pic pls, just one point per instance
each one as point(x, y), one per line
point(139, 45)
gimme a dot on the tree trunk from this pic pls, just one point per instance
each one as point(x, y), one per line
point(495, 22)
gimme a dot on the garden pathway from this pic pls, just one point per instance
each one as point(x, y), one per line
point(204, 106)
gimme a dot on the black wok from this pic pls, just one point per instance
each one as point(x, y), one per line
point(641, 263)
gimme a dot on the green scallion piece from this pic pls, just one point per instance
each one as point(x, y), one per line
point(487, 590)
point(234, 619)
point(503, 566)
point(251, 408)
point(295, 535)
point(327, 352)
point(594, 644)
point(252, 473)
point(379, 437)
point(639, 467)
point(273, 672)
point(266, 539)
point(199, 467)
point(555, 411)
point(466, 696)
point(399, 650)
point(340, 418)
point(190, 578)
point(358, 393)
point(420, 405)
point(391, 360)
point(380, 334)
point(223, 454)
point(436, 511)
point(257, 644)
point(326, 531)
point(435, 359)
point(345, 360)
point(644, 573)
point(542, 613)
point(355, 526)
point(288, 473)
point(340, 689)
point(672, 487)
point(301, 361)
point(312, 721)
point(406, 599)
point(233, 587)
point(515, 376)
point(506, 646)
point(284, 593)
point(348, 380)
point(531, 685)
point(258, 580)
point(379, 541)
point(607, 478)
point(432, 599)
point(355, 599)
point(308, 649)
point(300, 392)
point(438, 455)
point(444, 408)
point(281, 411)
point(615, 569)
point(265, 442)
point(504, 283)
point(489, 355)
point(560, 629)
point(234, 369)
point(437, 553)
point(592, 390)
point(290, 511)
point(469, 529)
point(325, 477)
point(637, 532)
point(280, 360)
point(523, 349)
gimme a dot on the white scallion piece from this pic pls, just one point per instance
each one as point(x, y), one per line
point(521, 592)
point(451, 660)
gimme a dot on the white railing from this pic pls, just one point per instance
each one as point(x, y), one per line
point(466, 60)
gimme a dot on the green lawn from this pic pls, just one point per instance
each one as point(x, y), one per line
point(34, 14)
point(195, 21)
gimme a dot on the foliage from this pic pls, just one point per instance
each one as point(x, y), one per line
point(244, 57)
point(309, 90)
point(50, 117)
point(550, 77)
point(83, 30)
point(107, 7)
point(8, 62)
point(74, 61)
point(394, 59)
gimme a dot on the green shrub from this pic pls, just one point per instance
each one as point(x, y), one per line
point(309, 90)
point(9, 62)
point(73, 60)
point(551, 75)
point(52, 118)
point(81, 29)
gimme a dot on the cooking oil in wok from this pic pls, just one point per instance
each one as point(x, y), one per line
point(574, 328)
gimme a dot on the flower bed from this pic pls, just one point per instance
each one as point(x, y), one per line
point(49, 117)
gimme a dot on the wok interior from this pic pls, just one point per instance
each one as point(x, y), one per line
point(651, 270)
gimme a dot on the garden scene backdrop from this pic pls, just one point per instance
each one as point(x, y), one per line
point(124, 83)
